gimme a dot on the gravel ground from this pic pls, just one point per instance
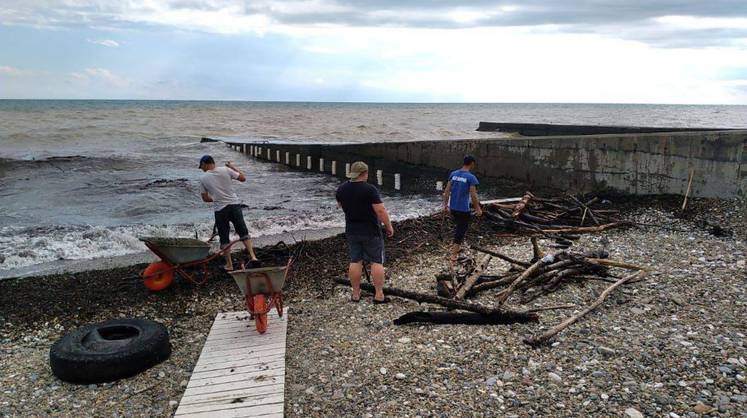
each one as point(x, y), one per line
point(672, 345)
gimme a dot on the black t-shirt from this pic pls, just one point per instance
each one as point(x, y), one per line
point(356, 198)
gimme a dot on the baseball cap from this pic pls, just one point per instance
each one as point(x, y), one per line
point(358, 168)
point(468, 159)
point(206, 159)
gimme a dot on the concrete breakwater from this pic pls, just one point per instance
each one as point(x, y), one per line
point(714, 161)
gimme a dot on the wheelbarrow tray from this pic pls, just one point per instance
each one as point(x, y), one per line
point(257, 279)
point(178, 250)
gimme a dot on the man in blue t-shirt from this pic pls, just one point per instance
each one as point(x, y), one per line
point(460, 189)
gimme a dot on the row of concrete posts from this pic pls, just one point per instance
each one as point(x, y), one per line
point(267, 153)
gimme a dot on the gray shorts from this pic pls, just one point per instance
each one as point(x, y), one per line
point(366, 247)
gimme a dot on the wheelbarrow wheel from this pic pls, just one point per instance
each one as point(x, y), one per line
point(260, 316)
point(158, 276)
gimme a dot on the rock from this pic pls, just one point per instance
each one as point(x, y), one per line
point(491, 381)
point(702, 408)
point(598, 374)
point(309, 391)
point(404, 340)
point(508, 375)
point(605, 351)
point(725, 369)
point(338, 394)
point(183, 383)
point(173, 404)
point(555, 378)
point(382, 370)
point(400, 376)
point(739, 398)
point(161, 375)
point(633, 413)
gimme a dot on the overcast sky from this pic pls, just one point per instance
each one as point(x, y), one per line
point(618, 51)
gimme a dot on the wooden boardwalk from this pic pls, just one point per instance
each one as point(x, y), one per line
point(240, 373)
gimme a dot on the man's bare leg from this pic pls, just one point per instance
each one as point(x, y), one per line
point(354, 273)
point(229, 262)
point(377, 271)
point(249, 249)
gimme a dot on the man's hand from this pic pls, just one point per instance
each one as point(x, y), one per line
point(389, 230)
point(478, 211)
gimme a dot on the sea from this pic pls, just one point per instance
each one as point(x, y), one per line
point(82, 180)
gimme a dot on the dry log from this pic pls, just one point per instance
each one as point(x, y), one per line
point(519, 207)
point(472, 279)
point(585, 229)
point(550, 333)
point(501, 256)
point(536, 251)
point(492, 284)
point(613, 263)
point(504, 294)
point(517, 316)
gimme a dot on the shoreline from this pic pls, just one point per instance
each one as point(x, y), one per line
point(653, 328)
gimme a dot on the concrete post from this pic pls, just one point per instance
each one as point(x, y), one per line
point(259, 152)
point(347, 169)
point(380, 177)
point(269, 158)
point(439, 186)
point(243, 148)
point(298, 160)
point(334, 168)
point(308, 162)
point(397, 181)
point(277, 155)
point(287, 158)
point(321, 165)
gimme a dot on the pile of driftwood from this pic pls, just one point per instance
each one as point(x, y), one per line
point(558, 218)
point(523, 280)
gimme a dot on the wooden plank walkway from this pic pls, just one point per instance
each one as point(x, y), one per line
point(240, 373)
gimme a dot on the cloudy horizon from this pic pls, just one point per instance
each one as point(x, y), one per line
point(634, 51)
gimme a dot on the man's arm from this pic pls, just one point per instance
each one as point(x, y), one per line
point(447, 195)
point(240, 176)
point(206, 197)
point(383, 216)
point(475, 200)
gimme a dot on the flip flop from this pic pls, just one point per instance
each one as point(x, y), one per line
point(354, 300)
point(381, 302)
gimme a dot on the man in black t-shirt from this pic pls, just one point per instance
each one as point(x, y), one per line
point(364, 214)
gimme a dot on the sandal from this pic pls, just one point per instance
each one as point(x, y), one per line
point(381, 302)
point(355, 300)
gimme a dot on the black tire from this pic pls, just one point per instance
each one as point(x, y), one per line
point(109, 350)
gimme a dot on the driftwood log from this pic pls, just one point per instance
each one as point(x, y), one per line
point(516, 316)
point(472, 279)
point(545, 337)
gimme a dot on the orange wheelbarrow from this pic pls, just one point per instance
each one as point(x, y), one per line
point(262, 289)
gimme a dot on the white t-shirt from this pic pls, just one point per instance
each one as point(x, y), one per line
point(217, 183)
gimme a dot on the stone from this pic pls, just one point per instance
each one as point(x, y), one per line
point(173, 403)
point(338, 394)
point(491, 381)
point(726, 370)
point(161, 375)
point(555, 378)
point(400, 376)
point(183, 383)
point(702, 408)
point(633, 413)
point(598, 374)
point(382, 370)
point(508, 375)
point(405, 340)
point(605, 351)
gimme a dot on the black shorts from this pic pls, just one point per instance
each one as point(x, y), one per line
point(232, 214)
point(366, 247)
point(461, 221)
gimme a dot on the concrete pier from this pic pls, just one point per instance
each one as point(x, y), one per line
point(641, 162)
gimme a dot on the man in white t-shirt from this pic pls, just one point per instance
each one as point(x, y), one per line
point(216, 187)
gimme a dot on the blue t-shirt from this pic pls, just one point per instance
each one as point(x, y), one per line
point(461, 181)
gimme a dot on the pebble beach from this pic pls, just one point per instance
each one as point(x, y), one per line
point(672, 345)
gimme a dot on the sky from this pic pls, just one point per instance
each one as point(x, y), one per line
point(549, 51)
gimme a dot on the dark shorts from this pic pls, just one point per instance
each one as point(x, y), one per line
point(230, 214)
point(366, 247)
point(461, 221)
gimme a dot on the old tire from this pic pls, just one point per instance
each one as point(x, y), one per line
point(109, 350)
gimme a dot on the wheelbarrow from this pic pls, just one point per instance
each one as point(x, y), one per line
point(262, 289)
point(186, 256)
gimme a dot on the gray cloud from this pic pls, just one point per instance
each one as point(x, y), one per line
point(626, 19)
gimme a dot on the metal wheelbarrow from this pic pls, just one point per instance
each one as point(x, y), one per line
point(262, 289)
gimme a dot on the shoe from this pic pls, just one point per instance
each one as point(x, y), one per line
point(354, 300)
